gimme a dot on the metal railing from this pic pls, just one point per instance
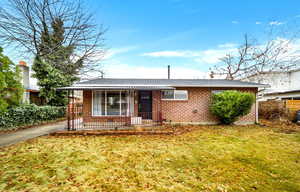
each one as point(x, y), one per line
point(81, 120)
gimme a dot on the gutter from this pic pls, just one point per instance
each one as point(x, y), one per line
point(147, 85)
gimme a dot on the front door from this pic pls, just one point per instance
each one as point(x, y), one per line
point(145, 104)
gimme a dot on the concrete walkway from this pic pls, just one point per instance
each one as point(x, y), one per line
point(25, 134)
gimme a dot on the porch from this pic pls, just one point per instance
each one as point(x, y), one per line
point(115, 109)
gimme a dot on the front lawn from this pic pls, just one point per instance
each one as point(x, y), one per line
point(209, 159)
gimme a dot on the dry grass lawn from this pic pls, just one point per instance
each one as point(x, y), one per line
point(212, 158)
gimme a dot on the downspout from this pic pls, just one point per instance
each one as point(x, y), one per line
point(256, 108)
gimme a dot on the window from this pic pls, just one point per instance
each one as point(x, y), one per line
point(174, 95)
point(124, 103)
point(113, 103)
point(168, 94)
point(97, 100)
point(217, 91)
point(110, 103)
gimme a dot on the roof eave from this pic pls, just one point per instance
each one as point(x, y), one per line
point(170, 85)
point(282, 92)
point(147, 87)
point(114, 88)
point(224, 86)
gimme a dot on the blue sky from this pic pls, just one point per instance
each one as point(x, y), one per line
point(144, 36)
point(190, 35)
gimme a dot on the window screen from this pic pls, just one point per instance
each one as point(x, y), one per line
point(175, 94)
point(180, 95)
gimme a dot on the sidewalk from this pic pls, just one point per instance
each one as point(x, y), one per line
point(23, 135)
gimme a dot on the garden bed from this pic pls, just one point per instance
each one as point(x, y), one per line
point(117, 132)
point(167, 129)
point(285, 126)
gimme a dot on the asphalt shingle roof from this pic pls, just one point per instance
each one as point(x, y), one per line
point(169, 82)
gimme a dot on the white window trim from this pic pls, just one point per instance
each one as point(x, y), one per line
point(187, 96)
point(105, 103)
point(217, 91)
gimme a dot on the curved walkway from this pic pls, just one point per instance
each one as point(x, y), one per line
point(25, 134)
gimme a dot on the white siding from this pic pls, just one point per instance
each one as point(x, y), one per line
point(279, 82)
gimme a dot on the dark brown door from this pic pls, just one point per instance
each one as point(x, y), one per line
point(145, 104)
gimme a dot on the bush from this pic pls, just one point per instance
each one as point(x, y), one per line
point(272, 109)
point(11, 89)
point(228, 106)
point(26, 115)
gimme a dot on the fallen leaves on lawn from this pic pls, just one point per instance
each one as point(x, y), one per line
point(198, 158)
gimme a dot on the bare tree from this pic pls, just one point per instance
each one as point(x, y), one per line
point(253, 58)
point(23, 23)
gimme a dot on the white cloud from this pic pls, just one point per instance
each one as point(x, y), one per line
point(209, 56)
point(291, 48)
point(115, 51)
point(275, 23)
point(257, 22)
point(213, 56)
point(171, 54)
point(235, 22)
point(118, 70)
point(108, 54)
point(227, 45)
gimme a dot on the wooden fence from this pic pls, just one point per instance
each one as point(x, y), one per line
point(274, 109)
point(293, 104)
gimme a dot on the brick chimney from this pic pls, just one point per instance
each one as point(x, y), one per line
point(25, 74)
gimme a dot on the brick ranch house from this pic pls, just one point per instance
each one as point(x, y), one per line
point(113, 103)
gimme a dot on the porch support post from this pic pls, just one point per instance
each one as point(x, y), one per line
point(68, 110)
point(129, 95)
point(73, 111)
point(160, 114)
point(129, 102)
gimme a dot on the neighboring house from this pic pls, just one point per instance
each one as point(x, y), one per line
point(283, 85)
point(31, 95)
point(136, 101)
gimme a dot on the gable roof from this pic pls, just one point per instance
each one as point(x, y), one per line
point(160, 83)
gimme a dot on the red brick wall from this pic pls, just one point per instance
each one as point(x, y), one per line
point(156, 105)
point(87, 105)
point(196, 108)
point(193, 110)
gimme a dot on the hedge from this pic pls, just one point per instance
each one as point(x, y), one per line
point(27, 115)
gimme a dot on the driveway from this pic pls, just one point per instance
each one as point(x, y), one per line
point(25, 134)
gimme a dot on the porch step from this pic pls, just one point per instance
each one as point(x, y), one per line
point(147, 121)
point(87, 132)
